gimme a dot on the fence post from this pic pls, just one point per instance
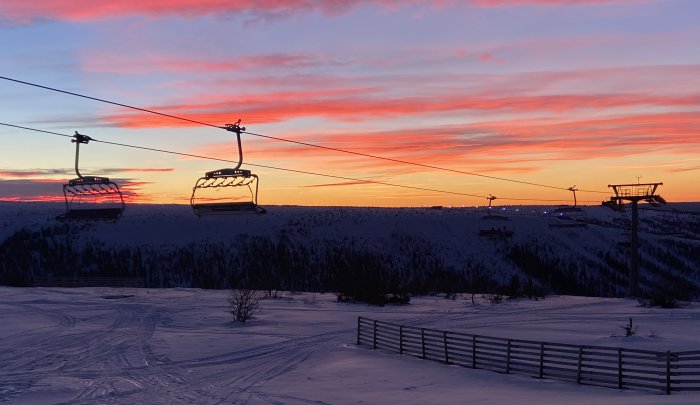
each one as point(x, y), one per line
point(668, 372)
point(444, 341)
point(473, 351)
point(374, 335)
point(542, 360)
point(619, 368)
point(422, 342)
point(358, 329)
point(508, 358)
point(580, 364)
point(400, 339)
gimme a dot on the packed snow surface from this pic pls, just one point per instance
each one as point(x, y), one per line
point(171, 346)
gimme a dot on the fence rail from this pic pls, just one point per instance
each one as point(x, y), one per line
point(613, 367)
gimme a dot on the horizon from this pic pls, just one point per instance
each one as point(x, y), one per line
point(495, 206)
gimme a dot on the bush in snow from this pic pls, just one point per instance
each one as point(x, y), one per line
point(243, 304)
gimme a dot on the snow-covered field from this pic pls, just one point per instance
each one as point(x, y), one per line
point(169, 346)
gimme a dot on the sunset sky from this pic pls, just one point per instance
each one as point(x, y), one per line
point(552, 92)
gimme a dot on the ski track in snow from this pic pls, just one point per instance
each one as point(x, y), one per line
point(115, 361)
point(178, 346)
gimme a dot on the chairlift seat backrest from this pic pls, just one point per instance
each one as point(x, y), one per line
point(227, 173)
point(87, 180)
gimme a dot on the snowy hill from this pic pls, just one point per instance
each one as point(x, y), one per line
point(324, 248)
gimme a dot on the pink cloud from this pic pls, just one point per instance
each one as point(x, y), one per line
point(14, 174)
point(161, 63)
point(487, 57)
point(510, 3)
point(32, 198)
point(278, 107)
point(40, 173)
point(21, 11)
point(41, 189)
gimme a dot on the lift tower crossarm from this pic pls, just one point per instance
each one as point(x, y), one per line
point(638, 191)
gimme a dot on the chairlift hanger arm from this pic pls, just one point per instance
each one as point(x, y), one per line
point(78, 139)
point(573, 189)
point(491, 198)
point(237, 129)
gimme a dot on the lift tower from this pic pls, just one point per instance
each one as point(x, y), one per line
point(634, 193)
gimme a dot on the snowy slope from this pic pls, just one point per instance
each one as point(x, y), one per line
point(404, 238)
point(178, 346)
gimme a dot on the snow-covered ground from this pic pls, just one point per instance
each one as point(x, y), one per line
point(170, 346)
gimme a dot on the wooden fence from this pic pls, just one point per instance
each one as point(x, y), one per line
point(614, 367)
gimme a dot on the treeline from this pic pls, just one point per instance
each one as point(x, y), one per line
point(350, 267)
point(279, 263)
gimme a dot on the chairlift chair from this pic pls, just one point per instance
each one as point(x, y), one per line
point(227, 179)
point(90, 197)
point(568, 216)
point(495, 226)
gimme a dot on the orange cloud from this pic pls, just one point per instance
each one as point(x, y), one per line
point(347, 183)
point(508, 146)
point(685, 169)
point(139, 170)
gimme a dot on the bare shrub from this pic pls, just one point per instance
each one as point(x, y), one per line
point(243, 304)
point(495, 298)
point(630, 330)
